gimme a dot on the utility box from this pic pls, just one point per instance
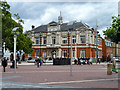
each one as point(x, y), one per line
point(109, 69)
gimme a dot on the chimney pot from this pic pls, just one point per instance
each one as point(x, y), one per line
point(33, 26)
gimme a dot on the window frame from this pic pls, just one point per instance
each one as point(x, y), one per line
point(64, 39)
point(36, 51)
point(53, 40)
point(36, 39)
point(81, 37)
point(44, 40)
point(64, 53)
point(81, 53)
point(73, 39)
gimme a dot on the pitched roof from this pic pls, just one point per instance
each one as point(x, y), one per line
point(42, 28)
point(64, 26)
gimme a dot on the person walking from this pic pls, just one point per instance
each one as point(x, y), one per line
point(40, 61)
point(4, 64)
point(114, 66)
point(37, 61)
point(99, 60)
point(114, 62)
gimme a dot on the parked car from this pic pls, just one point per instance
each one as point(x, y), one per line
point(117, 59)
point(48, 60)
point(31, 60)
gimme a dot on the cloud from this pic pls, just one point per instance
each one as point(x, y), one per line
point(37, 13)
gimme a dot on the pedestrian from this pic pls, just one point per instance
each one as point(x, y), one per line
point(4, 64)
point(78, 61)
point(23, 57)
point(99, 60)
point(114, 66)
point(75, 61)
point(114, 62)
point(11, 57)
point(40, 61)
point(37, 61)
point(85, 61)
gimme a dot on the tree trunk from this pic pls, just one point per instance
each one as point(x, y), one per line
point(115, 50)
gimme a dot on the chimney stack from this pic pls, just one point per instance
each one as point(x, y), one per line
point(33, 27)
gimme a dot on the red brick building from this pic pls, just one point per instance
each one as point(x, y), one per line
point(54, 40)
point(106, 49)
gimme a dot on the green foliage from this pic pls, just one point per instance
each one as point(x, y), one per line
point(113, 31)
point(8, 23)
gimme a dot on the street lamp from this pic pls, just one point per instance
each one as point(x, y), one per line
point(15, 37)
point(4, 49)
point(71, 23)
point(40, 44)
point(68, 44)
point(96, 42)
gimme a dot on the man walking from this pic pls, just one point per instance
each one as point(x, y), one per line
point(114, 65)
point(4, 63)
point(40, 61)
point(99, 60)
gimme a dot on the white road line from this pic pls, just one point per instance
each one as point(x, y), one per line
point(81, 81)
point(57, 71)
point(19, 85)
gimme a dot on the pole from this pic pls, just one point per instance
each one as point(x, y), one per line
point(15, 37)
point(4, 49)
point(96, 42)
point(40, 44)
point(68, 44)
point(75, 51)
point(71, 56)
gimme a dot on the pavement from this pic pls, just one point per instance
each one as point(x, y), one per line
point(28, 75)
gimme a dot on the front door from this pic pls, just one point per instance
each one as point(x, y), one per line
point(54, 54)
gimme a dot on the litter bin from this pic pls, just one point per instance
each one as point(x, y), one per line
point(109, 69)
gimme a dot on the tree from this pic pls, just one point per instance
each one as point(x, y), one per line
point(113, 32)
point(8, 23)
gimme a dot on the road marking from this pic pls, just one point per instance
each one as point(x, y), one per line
point(31, 85)
point(81, 81)
point(58, 71)
point(10, 77)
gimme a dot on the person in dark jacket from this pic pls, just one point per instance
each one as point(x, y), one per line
point(4, 63)
point(37, 61)
point(11, 57)
point(23, 57)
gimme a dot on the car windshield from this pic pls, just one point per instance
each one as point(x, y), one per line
point(116, 57)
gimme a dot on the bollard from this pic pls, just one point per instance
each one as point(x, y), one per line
point(109, 69)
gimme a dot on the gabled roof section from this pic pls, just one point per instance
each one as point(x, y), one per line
point(53, 23)
point(42, 28)
point(64, 26)
point(75, 26)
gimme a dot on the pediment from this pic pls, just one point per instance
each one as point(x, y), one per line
point(53, 23)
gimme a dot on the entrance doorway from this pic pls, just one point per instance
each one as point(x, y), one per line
point(54, 54)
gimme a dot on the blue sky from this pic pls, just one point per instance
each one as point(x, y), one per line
point(39, 13)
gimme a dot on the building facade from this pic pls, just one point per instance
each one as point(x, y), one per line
point(116, 49)
point(54, 40)
point(107, 49)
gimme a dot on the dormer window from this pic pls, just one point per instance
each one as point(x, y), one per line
point(54, 29)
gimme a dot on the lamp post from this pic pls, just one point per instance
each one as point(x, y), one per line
point(4, 49)
point(71, 53)
point(68, 44)
point(40, 44)
point(96, 42)
point(75, 51)
point(71, 23)
point(15, 37)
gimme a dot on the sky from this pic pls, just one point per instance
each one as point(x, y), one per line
point(40, 13)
